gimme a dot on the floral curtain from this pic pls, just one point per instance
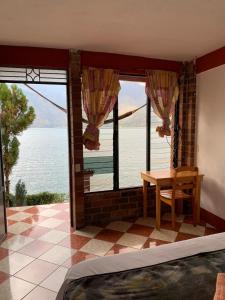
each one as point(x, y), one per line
point(162, 89)
point(100, 88)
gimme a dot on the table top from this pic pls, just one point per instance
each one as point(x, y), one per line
point(159, 174)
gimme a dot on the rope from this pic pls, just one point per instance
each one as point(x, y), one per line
point(123, 116)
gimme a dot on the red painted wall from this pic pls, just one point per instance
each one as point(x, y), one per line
point(59, 59)
point(211, 60)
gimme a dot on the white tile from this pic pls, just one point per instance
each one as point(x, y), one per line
point(20, 208)
point(51, 223)
point(119, 226)
point(15, 289)
point(55, 280)
point(191, 229)
point(150, 222)
point(57, 254)
point(19, 216)
point(164, 235)
point(19, 227)
point(97, 247)
point(132, 240)
point(14, 263)
point(41, 293)
point(88, 231)
point(49, 212)
point(36, 271)
point(168, 217)
point(16, 242)
point(54, 236)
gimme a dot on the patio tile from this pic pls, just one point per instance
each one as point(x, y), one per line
point(78, 257)
point(15, 289)
point(14, 262)
point(16, 242)
point(57, 254)
point(118, 249)
point(109, 235)
point(164, 235)
point(97, 247)
point(36, 248)
point(36, 271)
point(150, 222)
point(41, 293)
point(3, 276)
point(140, 229)
point(19, 216)
point(184, 236)
point(4, 252)
point(35, 231)
point(132, 240)
point(53, 236)
point(74, 241)
point(35, 219)
point(89, 231)
point(19, 227)
point(119, 226)
point(49, 212)
point(151, 243)
point(51, 223)
point(55, 280)
point(191, 229)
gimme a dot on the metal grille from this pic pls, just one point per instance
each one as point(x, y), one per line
point(32, 75)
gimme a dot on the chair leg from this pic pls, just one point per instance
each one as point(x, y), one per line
point(173, 215)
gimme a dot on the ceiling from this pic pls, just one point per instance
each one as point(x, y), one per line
point(169, 29)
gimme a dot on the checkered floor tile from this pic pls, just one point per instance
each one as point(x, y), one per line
point(41, 246)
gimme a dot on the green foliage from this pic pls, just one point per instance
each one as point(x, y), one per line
point(44, 198)
point(21, 192)
point(16, 116)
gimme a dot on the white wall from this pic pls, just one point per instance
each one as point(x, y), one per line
point(211, 138)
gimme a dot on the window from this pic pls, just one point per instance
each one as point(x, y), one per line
point(128, 145)
point(132, 133)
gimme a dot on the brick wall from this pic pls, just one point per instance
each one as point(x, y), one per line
point(187, 116)
point(103, 207)
point(76, 145)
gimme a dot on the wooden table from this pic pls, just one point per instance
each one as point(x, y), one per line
point(164, 178)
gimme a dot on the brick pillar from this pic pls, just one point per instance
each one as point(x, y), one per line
point(187, 115)
point(76, 145)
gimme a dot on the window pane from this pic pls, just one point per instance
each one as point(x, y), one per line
point(100, 163)
point(132, 134)
point(160, 147)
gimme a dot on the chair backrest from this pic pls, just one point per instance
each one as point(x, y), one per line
point(185, 178)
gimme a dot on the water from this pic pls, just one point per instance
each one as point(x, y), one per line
point(43, 161)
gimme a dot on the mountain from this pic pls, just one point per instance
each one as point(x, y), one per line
point(131, 96)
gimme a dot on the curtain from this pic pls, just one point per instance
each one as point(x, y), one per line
point(162, 89)
point(100, 88)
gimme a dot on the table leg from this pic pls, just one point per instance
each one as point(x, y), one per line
point(145, 198)
point(158, 207)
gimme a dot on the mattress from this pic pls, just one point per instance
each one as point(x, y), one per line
point(132, 265)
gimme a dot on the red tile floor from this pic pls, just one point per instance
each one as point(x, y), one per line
point(41, 246)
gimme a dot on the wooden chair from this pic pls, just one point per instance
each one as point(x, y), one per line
point(183, 188)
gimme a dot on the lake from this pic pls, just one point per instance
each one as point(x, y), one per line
point(43, 160)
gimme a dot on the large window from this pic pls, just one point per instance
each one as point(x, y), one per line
point(128, 145)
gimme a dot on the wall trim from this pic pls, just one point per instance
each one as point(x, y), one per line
point(210, 60)
point(20, 56)
point(212, 219)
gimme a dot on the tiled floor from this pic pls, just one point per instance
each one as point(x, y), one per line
point(40, 246)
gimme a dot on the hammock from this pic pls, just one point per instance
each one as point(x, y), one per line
point(123, 116)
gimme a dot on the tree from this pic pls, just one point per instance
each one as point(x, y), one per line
point(16, 116)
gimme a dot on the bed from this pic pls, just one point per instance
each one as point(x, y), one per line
point(185, 270)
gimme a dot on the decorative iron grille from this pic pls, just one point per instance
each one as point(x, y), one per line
point(32, 75)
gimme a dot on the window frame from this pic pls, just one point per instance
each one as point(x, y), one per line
point(116, 186)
